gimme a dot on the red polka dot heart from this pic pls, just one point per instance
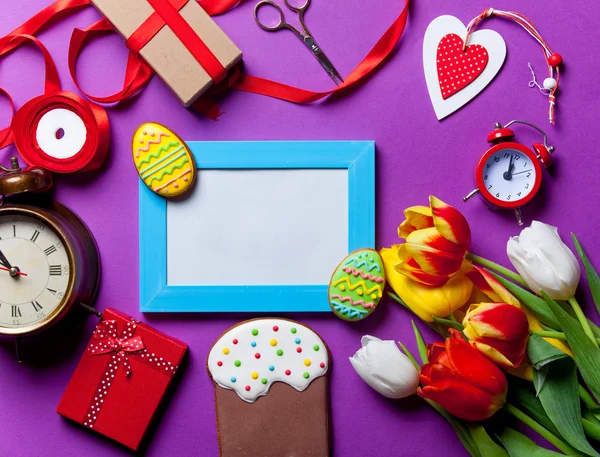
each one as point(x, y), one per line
point(455, 74)
point(457, 68)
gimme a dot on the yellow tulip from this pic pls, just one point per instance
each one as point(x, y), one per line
point(426, 301)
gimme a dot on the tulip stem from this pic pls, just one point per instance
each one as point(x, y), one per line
point(498, 269)
point(555, 335)
point(540, 429)
point(583, 320)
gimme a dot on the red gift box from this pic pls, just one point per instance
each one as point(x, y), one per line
point(121, 379)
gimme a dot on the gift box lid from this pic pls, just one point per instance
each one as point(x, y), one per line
point(165, 53)
point(101, 395)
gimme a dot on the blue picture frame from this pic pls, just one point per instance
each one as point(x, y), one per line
point(358, 157)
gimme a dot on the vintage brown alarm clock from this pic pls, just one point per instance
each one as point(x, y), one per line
point(49, 261)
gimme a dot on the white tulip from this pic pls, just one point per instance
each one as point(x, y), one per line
point(385, 368)
point(544, 261)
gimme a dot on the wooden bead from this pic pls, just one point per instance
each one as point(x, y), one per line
point(555, 60)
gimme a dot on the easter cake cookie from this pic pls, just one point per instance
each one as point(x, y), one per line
point(271, 381)
point(357, 284)
point(163, 160)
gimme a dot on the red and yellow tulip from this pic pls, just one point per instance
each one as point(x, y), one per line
point(428, 270)
point(499, 331)
point(461, 380)
point(437, 239)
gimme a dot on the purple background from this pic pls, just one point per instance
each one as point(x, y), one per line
point(416, 156)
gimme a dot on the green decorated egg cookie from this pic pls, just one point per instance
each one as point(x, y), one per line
point(357, 284)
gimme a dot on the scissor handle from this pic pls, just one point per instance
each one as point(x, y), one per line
point(298, 9)
point(270, 28)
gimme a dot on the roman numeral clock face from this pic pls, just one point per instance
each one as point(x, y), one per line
point(34, 271)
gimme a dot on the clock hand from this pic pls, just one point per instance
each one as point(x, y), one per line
point(4, 261)
point(508, 174)
point(14, 271)
point(526, 171)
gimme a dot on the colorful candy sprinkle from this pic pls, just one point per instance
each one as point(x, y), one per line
point(273, 342)
point(275, 328)
point(298, 341)
point(247, 388)
point(288, 372)
point(219, 363)
point(316, 347)
point(373, 296)
point(298, 350)
point(254, 332)
point(306, 375)
point(359, 292)
point(254, 375)
point(253, 344)
point(237, 363)
point(342, 287)
point(226, 351)
point(271, 368)
point(307, 362)
point(293, 330)
point(257, 356)
point(233, 379)
point(264, 380)
point(279, 352)
point(235, 341)
point(322, 365)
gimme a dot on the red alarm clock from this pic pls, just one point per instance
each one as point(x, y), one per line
point(509, 174)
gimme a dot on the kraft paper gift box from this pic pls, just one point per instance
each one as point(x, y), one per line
point(178, 39)
point(121, 379)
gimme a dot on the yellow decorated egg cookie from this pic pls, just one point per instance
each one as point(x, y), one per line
point(163, 160)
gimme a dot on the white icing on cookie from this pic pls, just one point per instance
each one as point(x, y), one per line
point(255, 354)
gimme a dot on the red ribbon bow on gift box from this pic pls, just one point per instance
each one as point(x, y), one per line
point(108, 341)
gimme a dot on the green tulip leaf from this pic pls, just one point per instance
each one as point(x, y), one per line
point(420, 343)
point(534, 303)
point(448, 323)
point(462, 432)
point(399, 300)
point(410, 356)
point(592, 429)
point(587, 355)
point(532, 406)
point(486, 445)
point(518, 445)
point(560, 398)
point(541, 353)
point(590, 271)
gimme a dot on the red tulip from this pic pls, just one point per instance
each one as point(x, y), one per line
point(499, 331)
point(461, 380)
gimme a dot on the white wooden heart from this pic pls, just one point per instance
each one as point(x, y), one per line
point(489, 39)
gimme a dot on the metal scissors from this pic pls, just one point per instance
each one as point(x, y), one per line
point(306, 38)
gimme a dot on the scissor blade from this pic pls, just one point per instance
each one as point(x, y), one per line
point(323, 60)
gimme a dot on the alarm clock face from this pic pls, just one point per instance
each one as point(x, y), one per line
point(35, 274)
point(508, 177)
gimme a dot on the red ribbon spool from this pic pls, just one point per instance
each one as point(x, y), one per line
point(48, 133)
point(58, 131)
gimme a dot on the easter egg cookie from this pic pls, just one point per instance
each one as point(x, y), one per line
point(271, 379)
point(163, 160)
point(357, 284)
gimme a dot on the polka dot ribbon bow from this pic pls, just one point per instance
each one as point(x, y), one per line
point(107, 342)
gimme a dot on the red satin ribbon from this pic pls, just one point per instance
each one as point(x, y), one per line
point(149, 28)
point(190, 39)
point(26, 121)
point(138, 73)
